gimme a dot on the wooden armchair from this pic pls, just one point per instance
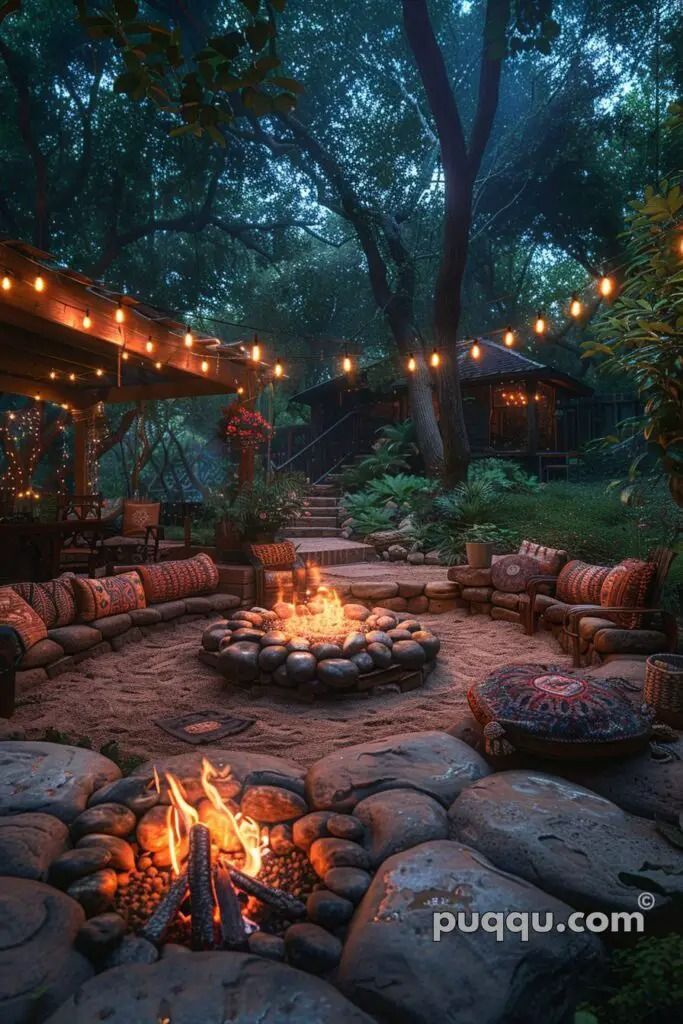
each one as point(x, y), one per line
point(279, 573)
point(81, 547)
point(141, 532)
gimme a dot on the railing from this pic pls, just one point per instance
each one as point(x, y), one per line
point(327, 451)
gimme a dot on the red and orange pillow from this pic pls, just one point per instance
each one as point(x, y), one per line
point(628, 585)
point(170, 581)
point(581, 583)
point(53, 600)
point(24, 620)
point(109, 595)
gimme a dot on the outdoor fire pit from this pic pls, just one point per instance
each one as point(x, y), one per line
point(320, 648)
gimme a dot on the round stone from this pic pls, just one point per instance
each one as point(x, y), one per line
point(247, 633)
point(74, 864)
point(364, 662)
point(29, 843)
point(269, 804)
point(136, 794)
point(121, 853)
point(301, 666)
point(338, 673)
point(400, 634)
point(132, 949)
point(152, 830)
point(95, 892)
point(299, 643)
point(272, 947)
point(409, 654)
point(100, 935)
point(398, 819)
point(328, 909)
point(323, 651)
point(411, 625)
point(311, 948)
point(280, 840)
point(212, 637)
point(352, 883)
point(381, 655)
point(354, 644)
point(356, 612)
point(284, 610)
point(429, 643)
point(386, 622)
point(274, 637)
point(256, 618)
point(271, 658)
point(329, 853)
point(238, 624)
point(281, 678)
point(346, 826)
point(109, 819)
point(378, 636)
point(239, 662)
point(309, 828)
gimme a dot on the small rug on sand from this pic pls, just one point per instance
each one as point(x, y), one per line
point(119, 695)
point(203, 726)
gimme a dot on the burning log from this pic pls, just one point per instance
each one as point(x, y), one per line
point(201, 889)
point(168, 907)
point(279, 900)
point(233, 931)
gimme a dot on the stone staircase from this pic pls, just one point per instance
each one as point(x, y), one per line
point(318, 535)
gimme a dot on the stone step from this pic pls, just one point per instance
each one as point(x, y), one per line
point(317, 501)
point(323, 521)
point(324, 490)
point(336, 551)
point(312, 531)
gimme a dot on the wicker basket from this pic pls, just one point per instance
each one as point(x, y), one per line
point(664, 687)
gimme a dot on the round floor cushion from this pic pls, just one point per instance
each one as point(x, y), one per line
point(548, 710)
point(512, 572)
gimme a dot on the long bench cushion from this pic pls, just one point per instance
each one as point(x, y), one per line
point(108, 595)
point(45, 652)
point(629, 641)
point(17, 613)
point(76, 638)
point(223, 602)
point(145, 616)
point(170, 610)
point(53, 600)
point(177, 579)
point(113, 625)
point(502, 600)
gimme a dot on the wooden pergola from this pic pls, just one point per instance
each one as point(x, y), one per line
point(68, 340)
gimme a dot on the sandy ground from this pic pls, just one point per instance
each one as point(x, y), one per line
point(119, 695)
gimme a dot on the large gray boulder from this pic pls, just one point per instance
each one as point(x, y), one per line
point(571, 842)
point(431, 762)
point(50, 777)
point(39, 966)
point(29, 843)
point(393, 968)
point(209, 988)
point(398, 819)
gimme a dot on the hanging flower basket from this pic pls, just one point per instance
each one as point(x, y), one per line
point(246, 428)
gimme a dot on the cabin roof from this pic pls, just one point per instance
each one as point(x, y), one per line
point(495, 364)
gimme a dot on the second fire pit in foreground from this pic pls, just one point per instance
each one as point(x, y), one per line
point(321, 648)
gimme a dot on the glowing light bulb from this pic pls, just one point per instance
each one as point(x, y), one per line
point(39, 283)
point(539, 326)
point(435, 359)
point(605, 286)
point(158, 365)
point(205, 366)
point(6, 283)
point(278, 368)
point(412, 365)
point(346, 363)
point(475, 351)
point(99, 372)
point(53, 375)
point(119, 315)
point(509, 337)
point(149, 345)
point(240, 390)
point(256, 352)
point(680, 251)
point(189, 338)
point(124, 355)
point(575, 306)
point(72, 377)
point(37, 396)
point(87, 322)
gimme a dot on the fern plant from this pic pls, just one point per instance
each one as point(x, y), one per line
point(399, 488)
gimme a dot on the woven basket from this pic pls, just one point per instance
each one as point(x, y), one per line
point(664, 687)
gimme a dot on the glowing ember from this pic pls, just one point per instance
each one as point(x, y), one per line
point(322, 617)
point(231, 831)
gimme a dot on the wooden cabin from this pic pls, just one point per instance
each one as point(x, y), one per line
point(515, 407)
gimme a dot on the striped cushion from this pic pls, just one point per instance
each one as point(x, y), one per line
point(53, 601)
point(580, 583)
point(170, 581)
point(274, 555)
point(627, 586)
point(552, 559)
point(18, 614)
point(109, 595)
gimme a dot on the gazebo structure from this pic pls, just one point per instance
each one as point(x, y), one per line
point(69, 340)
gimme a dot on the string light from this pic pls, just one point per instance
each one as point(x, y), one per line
point(256, 351)
point(539, 326)
point(605, 286)
point(575, 306)
point(6, 283)
point(189, 339)
point(435, 359)
point(475, 351)
point(87, 322)
point(99, 372)
point(346, 362)
point(158, 365)
point(72, 377)
point(205, 366)
point(412, 365)
point(240, 390)
point(149, 344)
point(53, 375)
point(278, 368)
point(509, 337)
point(124, 355)
point(39, 283)
point(120, 314)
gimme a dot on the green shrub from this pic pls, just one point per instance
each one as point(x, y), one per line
point(372, 521)
point(503, 475)
point(643, 985)
point(400, 488)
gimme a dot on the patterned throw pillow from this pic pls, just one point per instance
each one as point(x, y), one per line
point(169, 581)
point(110, 595)
point(546, 710)
point(274, 556)
point(53, 601)
point(511, 573)
point(18, 614)
point(552, 559)
point(627, 586)
point(138, 515)
point(580, 583)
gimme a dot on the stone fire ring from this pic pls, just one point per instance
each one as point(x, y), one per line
point(259, 648)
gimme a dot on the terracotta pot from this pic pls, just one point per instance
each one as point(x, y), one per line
point(479, 553)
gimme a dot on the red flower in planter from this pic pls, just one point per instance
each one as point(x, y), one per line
point(247, 428)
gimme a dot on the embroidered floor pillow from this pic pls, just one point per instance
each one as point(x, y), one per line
point(109, 595)
point(547, 710)
point(171, 581)
point(19, 614)
point(53, 600)
point(511, 573)
point(580, 583)
point(627, 586)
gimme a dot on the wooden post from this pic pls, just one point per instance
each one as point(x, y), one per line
point(246, 466)
point(531, 417)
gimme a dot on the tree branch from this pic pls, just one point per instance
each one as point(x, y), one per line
point(496, 20)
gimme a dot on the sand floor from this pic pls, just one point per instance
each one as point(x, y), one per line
point(118, 695)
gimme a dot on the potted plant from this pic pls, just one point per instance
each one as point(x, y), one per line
point(479, 546)
point(256, 511)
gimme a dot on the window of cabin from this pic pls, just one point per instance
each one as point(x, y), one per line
point(510, 416)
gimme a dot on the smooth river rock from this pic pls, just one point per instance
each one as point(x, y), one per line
point(431, 762)
point(209, 987)
point(74, 864)
point(331, 852)
point(399, 819)
point(235, 768)
point(393, 968)
point(136, 794)
point(109, 819)
point(39, 966)
point(50, 777)
point(95, 892)
point(573, 843)
point(121, 856)
point(29, 843)
point(270, 804)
